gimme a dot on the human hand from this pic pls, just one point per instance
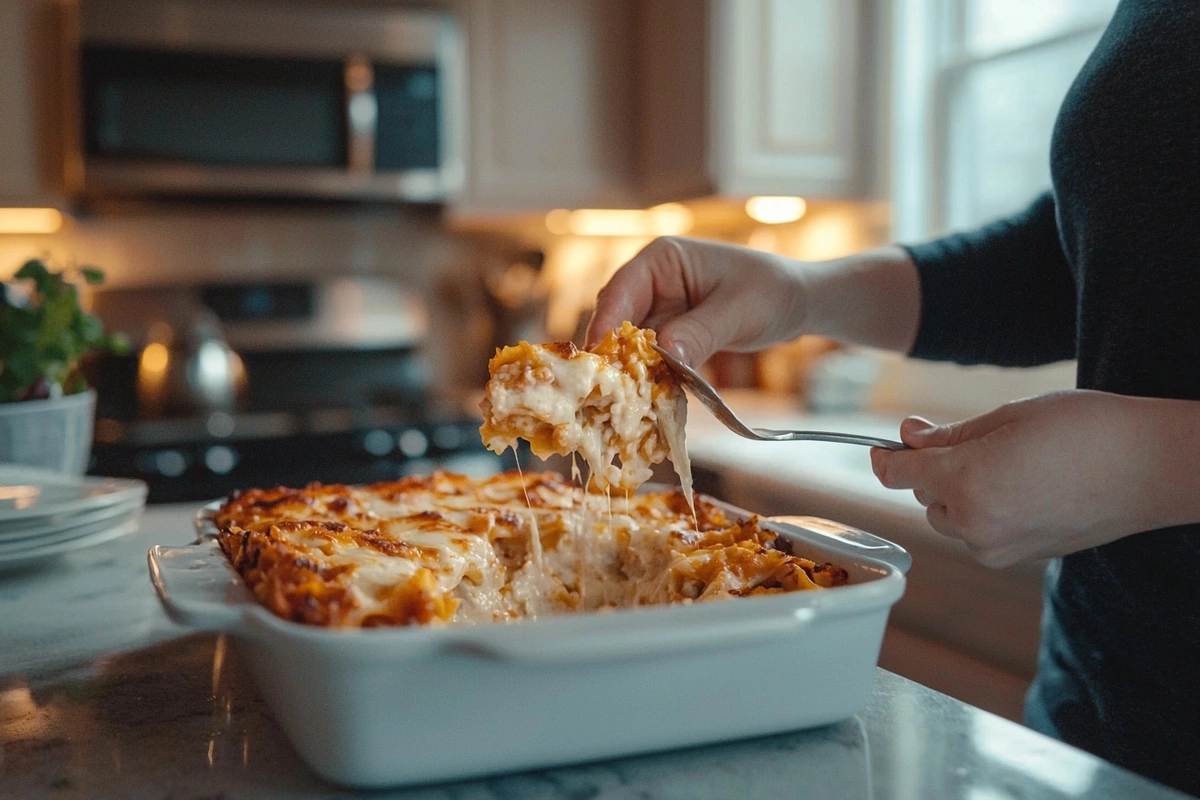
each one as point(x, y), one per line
point(702, 296)
point(1037, 478)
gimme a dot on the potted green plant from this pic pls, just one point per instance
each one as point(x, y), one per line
point(46, 406)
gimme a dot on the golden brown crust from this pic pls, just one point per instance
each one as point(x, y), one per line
point(448, 548)
point(284, 580)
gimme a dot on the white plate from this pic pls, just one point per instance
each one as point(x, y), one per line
point(21, 560)
point(16, 530)
point(20, 532)
point(55, 536)
point(25, 498)
point(24, 473)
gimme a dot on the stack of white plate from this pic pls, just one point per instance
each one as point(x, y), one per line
point(45, 514)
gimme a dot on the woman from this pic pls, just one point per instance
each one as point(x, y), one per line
point(1105, 478)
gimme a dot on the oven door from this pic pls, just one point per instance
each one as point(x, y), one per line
point(240, 103)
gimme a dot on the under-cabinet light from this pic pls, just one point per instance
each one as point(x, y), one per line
point(775, 210)
point(30, 220)
point(668, 219)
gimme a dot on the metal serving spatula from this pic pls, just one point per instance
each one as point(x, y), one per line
point(707, 395)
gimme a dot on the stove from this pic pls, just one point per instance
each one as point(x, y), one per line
point(318, 382)
point(205, 457)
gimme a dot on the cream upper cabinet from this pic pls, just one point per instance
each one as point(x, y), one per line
point(550, 104)
point(746, 97)
point(31, 106)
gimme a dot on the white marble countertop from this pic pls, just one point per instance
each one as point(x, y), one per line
point(101, 696)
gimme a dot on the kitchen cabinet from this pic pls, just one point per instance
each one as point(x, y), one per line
point(550, 118)
point(635, 102)
point(31, 117)
point(755, 97)
point(572, 103)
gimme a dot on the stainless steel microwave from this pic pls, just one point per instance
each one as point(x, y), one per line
point(269, 99)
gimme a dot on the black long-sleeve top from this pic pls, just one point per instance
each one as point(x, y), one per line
point(1105, 269)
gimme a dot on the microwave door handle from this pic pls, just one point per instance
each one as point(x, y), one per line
point(362, 115)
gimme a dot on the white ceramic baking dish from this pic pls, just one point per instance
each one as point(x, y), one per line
point(384, 707)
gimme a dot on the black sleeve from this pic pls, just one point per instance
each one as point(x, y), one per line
point(1001, 295)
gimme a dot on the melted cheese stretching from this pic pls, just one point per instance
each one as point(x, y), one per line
point(617, 405)
point(451, 549)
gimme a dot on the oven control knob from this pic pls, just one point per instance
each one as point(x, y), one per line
point(170, 463)
point(447, 437)
point(220, 459)
point(413, 443)
point(378, 443)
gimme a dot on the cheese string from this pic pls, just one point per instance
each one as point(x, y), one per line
point(535, 538)
point(582, 540)
point(608, 497)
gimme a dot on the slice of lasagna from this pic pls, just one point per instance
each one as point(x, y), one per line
point(451, 549)
point(618, 405)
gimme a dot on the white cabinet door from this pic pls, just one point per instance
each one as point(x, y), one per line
point(781, 84)
point(550, 98)
point(31, 90)
point(786, 96)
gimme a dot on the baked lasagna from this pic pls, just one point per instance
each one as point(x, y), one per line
point(449, 549)
point(618, 405)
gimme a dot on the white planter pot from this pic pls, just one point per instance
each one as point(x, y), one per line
point(53, 434)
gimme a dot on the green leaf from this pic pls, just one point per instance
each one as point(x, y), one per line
point(89, 329)
point(24, 368)
point(117, 343)
point(34, 270)
point(56, 312)
point(92, 275)
point(44, 342)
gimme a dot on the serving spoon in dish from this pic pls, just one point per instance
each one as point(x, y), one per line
point(707, 395)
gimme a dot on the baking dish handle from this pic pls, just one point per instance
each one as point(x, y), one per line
point(536, 644)
point(195, 586)
point(851, 541)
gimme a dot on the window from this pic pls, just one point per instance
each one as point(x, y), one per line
point(978, 87)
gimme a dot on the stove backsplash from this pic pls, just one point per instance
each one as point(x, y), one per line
point(485, 287)
point(189, 244)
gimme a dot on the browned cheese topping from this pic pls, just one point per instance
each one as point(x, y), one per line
point(446, 549)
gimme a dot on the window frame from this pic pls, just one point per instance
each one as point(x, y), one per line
point(930, 65)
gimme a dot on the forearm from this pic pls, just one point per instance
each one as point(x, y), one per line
point(1168, 436)
point(871, 298)
point(1003, 294)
